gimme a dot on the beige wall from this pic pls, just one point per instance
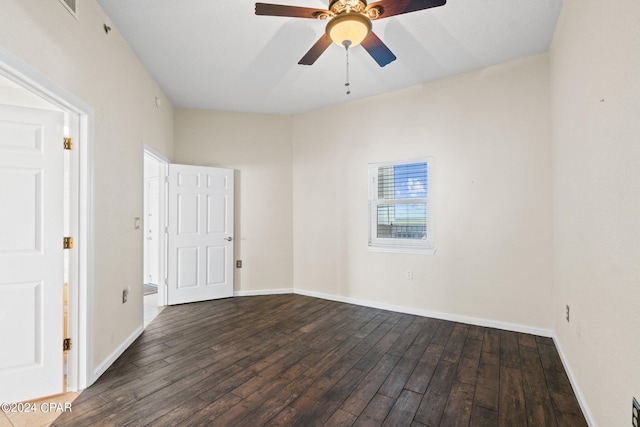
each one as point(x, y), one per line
point(258, 147)
point(489, 134)
point(535, 185)
point(101, 70)
point(595, 82)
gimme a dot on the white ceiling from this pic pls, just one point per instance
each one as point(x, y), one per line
point(218, 55)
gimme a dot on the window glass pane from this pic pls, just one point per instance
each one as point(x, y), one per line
point(402, 221)
point(406, 181)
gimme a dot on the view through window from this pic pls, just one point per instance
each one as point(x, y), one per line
point(399, 205)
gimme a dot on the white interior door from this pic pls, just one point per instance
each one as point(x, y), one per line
point(200, 234)
point(31, 254)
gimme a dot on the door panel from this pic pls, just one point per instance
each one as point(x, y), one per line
point(31, 254)
point(200, 233)
point(21, 227)
point(187, 267)
point(216, 215)
point(216, 257)
point(25, 305)
point(188, 213)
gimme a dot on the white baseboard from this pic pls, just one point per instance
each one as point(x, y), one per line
point(263, 292)
point(574, 383)
point(435, 314)
point(102, 367)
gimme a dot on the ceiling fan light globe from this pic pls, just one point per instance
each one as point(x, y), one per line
point(353, 27)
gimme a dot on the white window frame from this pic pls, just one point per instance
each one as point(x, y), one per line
point(377, 244)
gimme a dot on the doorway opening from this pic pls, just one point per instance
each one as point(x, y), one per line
point(153, 278)
point(24, 87)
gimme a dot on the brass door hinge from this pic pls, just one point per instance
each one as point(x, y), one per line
point(68, 143)
point(66, 344)
point(67, 243)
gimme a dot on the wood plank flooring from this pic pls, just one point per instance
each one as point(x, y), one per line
point(292, 360)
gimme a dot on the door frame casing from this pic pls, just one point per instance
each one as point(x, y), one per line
point(162, 209)
point(80, 373)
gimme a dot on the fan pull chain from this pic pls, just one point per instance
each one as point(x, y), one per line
point(346, 45)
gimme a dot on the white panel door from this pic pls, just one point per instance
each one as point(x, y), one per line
point(200, 234)
point(31, 254)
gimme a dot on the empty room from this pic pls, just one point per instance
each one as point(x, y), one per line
point(404, 212)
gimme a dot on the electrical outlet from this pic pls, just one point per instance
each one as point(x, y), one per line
point(635, 411)
point(408, 274)
point(125, 295)
point(239, 263)
point(567, 312)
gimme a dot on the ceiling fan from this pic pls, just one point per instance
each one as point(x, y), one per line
point(349, 23)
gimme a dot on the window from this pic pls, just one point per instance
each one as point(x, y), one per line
point(399, 207)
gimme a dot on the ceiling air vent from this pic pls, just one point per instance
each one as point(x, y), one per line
point(71, 7)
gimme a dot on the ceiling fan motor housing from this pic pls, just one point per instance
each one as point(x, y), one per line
point(340, 6)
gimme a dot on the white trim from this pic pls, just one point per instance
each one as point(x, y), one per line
point(400, 245)
point(407, 310)
point(106, 363)
point(401, 250)
point(155, 153)
point(574, 384)
point(80, 317)
point(164, 215)
point(487, 323)
point(263, 292)
point(73, 12)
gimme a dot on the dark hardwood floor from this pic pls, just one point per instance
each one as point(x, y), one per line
point(291, 360)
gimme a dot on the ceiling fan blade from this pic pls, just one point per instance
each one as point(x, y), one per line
point(316, 50)
point(397, 7)
point(378, 50)
point(289, 11)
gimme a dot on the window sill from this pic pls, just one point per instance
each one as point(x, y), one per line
point(402, 250)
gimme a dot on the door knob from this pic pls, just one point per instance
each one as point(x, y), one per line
point(228, 239)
